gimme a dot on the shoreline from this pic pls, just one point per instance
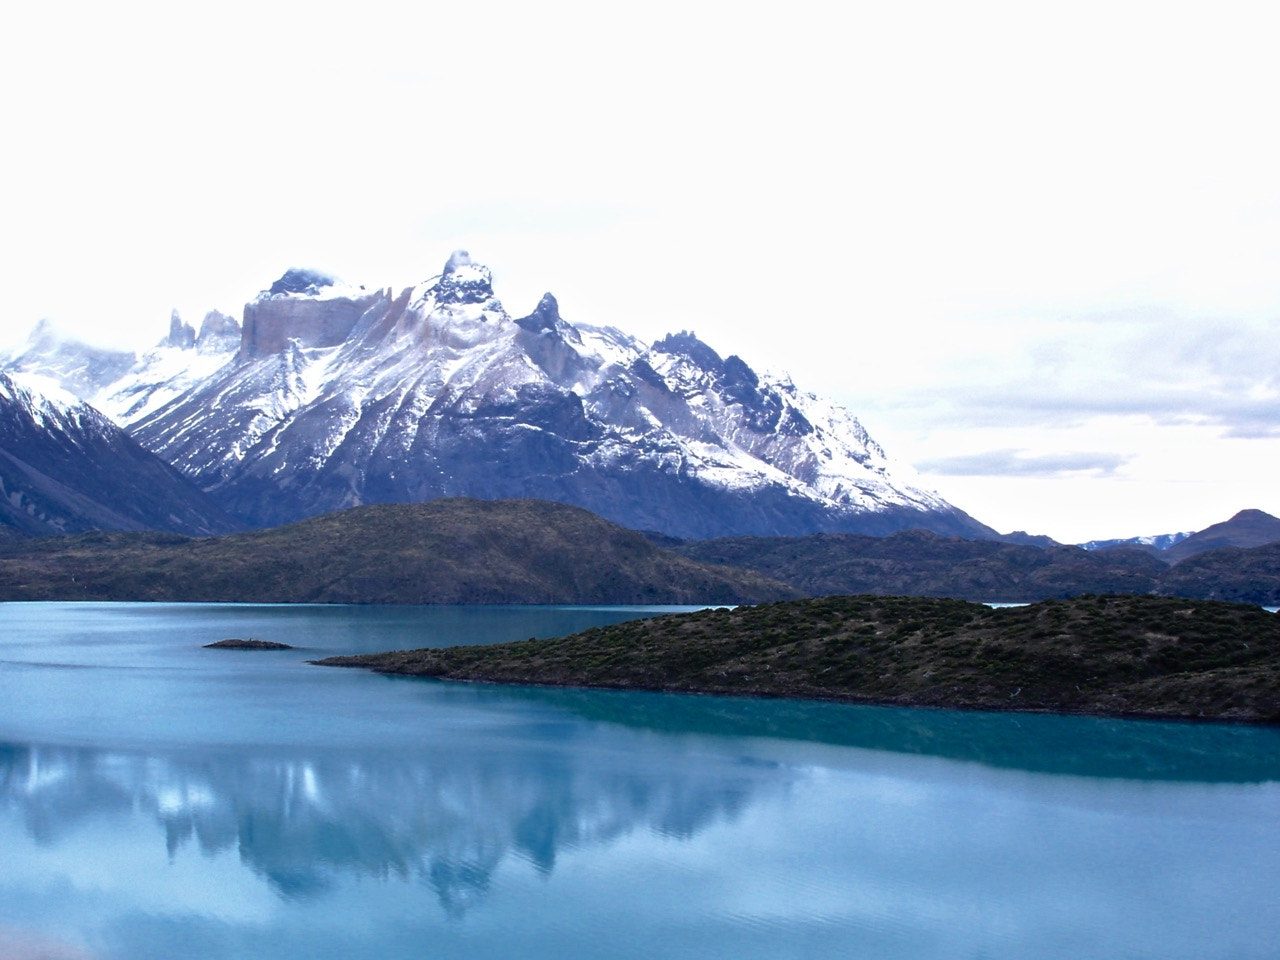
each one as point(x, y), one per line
point(1121, 656)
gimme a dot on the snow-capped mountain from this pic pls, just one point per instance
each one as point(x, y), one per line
point(70, 365)
point(66, 468)
point(336, 395)
point(120, 383)
point(1152, 544)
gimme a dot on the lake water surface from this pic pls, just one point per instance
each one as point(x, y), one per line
point(161, 800)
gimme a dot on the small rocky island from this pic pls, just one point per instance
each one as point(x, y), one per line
point(1139, 656)
point(238, 644)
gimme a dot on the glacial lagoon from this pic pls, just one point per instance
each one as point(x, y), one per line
point(160, 800)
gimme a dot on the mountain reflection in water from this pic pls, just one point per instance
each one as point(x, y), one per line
point(443, 818)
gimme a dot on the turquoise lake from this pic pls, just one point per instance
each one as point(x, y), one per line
point(162, 800)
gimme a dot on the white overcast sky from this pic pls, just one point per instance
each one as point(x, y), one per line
point(1034, 247)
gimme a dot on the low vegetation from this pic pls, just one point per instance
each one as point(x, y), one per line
point(1106, 655)
point(528, 551)
point(446, 551)
point(922, 564)
point(1245, 575)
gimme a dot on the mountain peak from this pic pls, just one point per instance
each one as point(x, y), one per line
point(219, 333)
point(457, 260)
point(686, 344)
point(38, 395)
point(1254, 516)
point(464, 281)
point(44, 328)
point(545, 315)
point(181, 335)
point(300, 280)
point(1248, 528)
point(45, 335)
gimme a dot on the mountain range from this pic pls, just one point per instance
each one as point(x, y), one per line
point(329, 395)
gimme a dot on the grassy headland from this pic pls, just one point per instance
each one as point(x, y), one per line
point(445, 551)
point(1102, 655)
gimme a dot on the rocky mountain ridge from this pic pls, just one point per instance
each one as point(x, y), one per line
point(336, 396)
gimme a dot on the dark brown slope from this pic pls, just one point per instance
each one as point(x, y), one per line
point(919, 563)
point(1248, 528)
point(445, 551)
point(1229, 573)
point(1119, 655)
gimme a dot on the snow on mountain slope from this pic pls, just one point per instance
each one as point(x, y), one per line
point(1155, 544)
point(76, 367)
point(121, 384)
point(337, 396)
point(171, 368)
point(65, 467)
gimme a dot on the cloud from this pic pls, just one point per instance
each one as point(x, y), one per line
point(1233, 415)
point(1166, 368)
point(1255, 421)
point(1020, 463)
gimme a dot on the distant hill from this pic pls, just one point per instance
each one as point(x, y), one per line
point(446, 551)
point(526, 551)
point(1229, 573)
point(1118, 655)
point(1248, 528)
point(1154, 545)
point(919, 563)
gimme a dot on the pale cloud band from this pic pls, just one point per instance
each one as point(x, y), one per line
point(1022, 463)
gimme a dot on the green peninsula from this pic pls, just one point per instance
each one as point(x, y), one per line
point(1104, 655)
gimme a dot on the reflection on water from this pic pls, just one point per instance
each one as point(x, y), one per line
point(159, 800)
point(444, 819)
point(595, 843)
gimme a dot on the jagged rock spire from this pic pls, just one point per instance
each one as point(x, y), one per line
point(181, 335)
point(545, 315)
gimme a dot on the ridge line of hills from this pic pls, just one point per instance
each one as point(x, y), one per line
point(462, 550)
